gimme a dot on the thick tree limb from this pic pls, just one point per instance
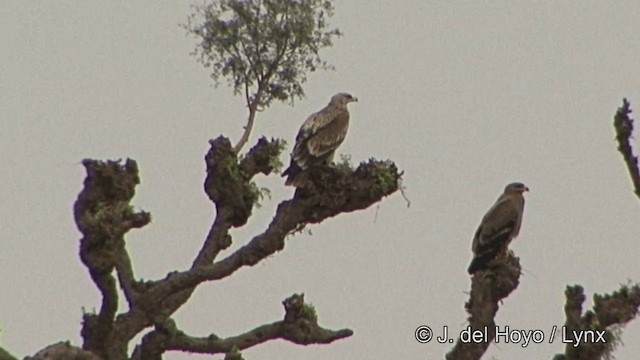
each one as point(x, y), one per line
point(229, 186)
point(598, 328)
point(623, 125)
point(63, 351)
point(126, 279)
point(103, 215)
point(334, 191)
point(488, 288)
point(5, 355)
point(299, 326)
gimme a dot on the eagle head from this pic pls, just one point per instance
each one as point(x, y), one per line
point(515, 188)
point(342, 99)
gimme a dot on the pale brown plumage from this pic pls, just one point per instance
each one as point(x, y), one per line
point(318, 138)
point(498, 227)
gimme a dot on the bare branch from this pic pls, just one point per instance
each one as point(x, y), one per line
point(96, 327)
point(253, 62)
point(253, 108)
point(623, 125)
point(488, 288)
point(126, 279)
point(217, 240)
point(299, 326)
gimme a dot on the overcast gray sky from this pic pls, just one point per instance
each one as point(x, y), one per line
point(464, 96)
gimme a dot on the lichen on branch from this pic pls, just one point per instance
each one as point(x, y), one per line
point(336, 189)
point(488, 288)
point(103, 214)
point(229, 179)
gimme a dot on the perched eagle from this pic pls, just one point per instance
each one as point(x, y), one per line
point(318, 138)
point(498, 227)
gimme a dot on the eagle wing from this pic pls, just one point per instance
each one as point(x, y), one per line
point(317, 121)
point(319, 136)
point(327, 138)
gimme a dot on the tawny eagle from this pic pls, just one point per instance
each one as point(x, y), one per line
point(499, 226)
point(318, 138)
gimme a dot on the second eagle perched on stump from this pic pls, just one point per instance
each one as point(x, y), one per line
point(318, 138)
point(498, 227)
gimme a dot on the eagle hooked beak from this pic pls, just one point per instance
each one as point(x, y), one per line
point(354, 99)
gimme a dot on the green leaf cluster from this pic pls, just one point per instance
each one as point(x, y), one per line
point(264, 48)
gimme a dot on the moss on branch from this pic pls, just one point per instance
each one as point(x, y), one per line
point(228, 183)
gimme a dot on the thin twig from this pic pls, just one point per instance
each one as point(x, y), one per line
point(623, 124)
point(253, 108)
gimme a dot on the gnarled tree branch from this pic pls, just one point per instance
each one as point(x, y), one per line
point(299, 326)
point(104, 215)
point(599, 327)
point(229, 186)
point(333, 191)
point(488, 288)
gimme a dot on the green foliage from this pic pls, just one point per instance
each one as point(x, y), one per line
point(232, 167)
point(345, 163)
point(257, 194)
point(308, 311)
point(264, 48)
point(386, 176)
point(614, 340)
point(234, 354)
point(275, 161)
point(105, 216)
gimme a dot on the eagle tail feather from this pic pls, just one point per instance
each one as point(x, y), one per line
point(481, 261)
point(295, 175)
